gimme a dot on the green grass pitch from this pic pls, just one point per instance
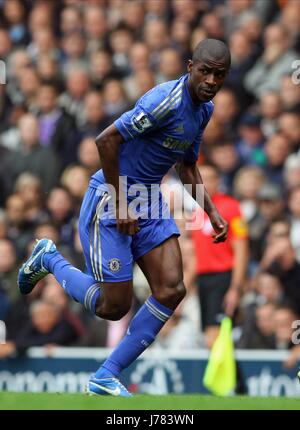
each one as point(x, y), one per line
point(52, 401)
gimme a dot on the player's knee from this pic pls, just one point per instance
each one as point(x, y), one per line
point(112, 313)
point(171, 293)
point(117, 315)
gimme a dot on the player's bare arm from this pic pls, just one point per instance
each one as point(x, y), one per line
point(108, 143)
point(190, 174)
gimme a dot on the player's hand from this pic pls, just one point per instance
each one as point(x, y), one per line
point(220, 226)
point(127, 223)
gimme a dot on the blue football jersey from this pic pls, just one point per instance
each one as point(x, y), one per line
point(164, 126)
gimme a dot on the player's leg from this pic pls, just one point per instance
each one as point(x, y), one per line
point(109, 300)
point(163, 269)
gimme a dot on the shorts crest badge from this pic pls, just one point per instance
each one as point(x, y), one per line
point(114, 265)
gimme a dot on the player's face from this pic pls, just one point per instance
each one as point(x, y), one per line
point(206, 78)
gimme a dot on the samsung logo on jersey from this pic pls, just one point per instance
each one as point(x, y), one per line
point(171, 143)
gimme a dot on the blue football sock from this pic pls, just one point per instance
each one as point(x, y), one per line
point(81, 287)
point(140, 334)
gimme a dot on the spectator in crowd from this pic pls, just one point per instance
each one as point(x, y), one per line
point(157, 9)
point(283, 319)
point(19, 230)
point(32, 157)
point(43, 43)
point(8, 273)
point(280, 259)
point(289, 126)
point(235, 13)
point(270, 208)
point(291, 171)
point(251, 25)
point(273, 64)
point(258, 333)
point(170, 66)
point(95, 27)
point(29, 187)
point(29, 83)
point(121, 40)
point(213, 26)
point(266, 290)
point(95, 118)
point(157, 38)
point(5, 107)
point(277, 149)
point(51, 229)
point(250, 142)
point(88, 155)
point(3, 224)
point(54, 294)
point(114, 98)
point(59, 205)
point(5, 43)
point(46, 327)
point(41, 16)
point(269, 288)
point(18, 61)
point(226, 158)
point(70, 20)
point(243, 57)
point(101, 68)
point(73, 51)
point(139, 84)
point(56, 127)
point(226, 111)
point(77, 84)
point(291, 21)
point(294, 208)
point(49, 70)
point(75, 179)
point(133, 17)
point(246, 191)
point(47, 229)
point(15, 17)
point(280, 227)
point(139, 61)
point(180, 38)
point(289, 94)
point(270, 108)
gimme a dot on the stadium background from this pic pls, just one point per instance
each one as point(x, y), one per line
point(73, 67)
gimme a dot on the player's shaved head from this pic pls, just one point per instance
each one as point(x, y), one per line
point(212, 49)
point(208, 69)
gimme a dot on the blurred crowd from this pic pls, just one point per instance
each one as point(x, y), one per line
point(74, 66)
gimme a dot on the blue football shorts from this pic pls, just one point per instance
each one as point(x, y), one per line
point(109, 254)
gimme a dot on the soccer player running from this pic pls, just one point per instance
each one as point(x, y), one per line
point(163, 129)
